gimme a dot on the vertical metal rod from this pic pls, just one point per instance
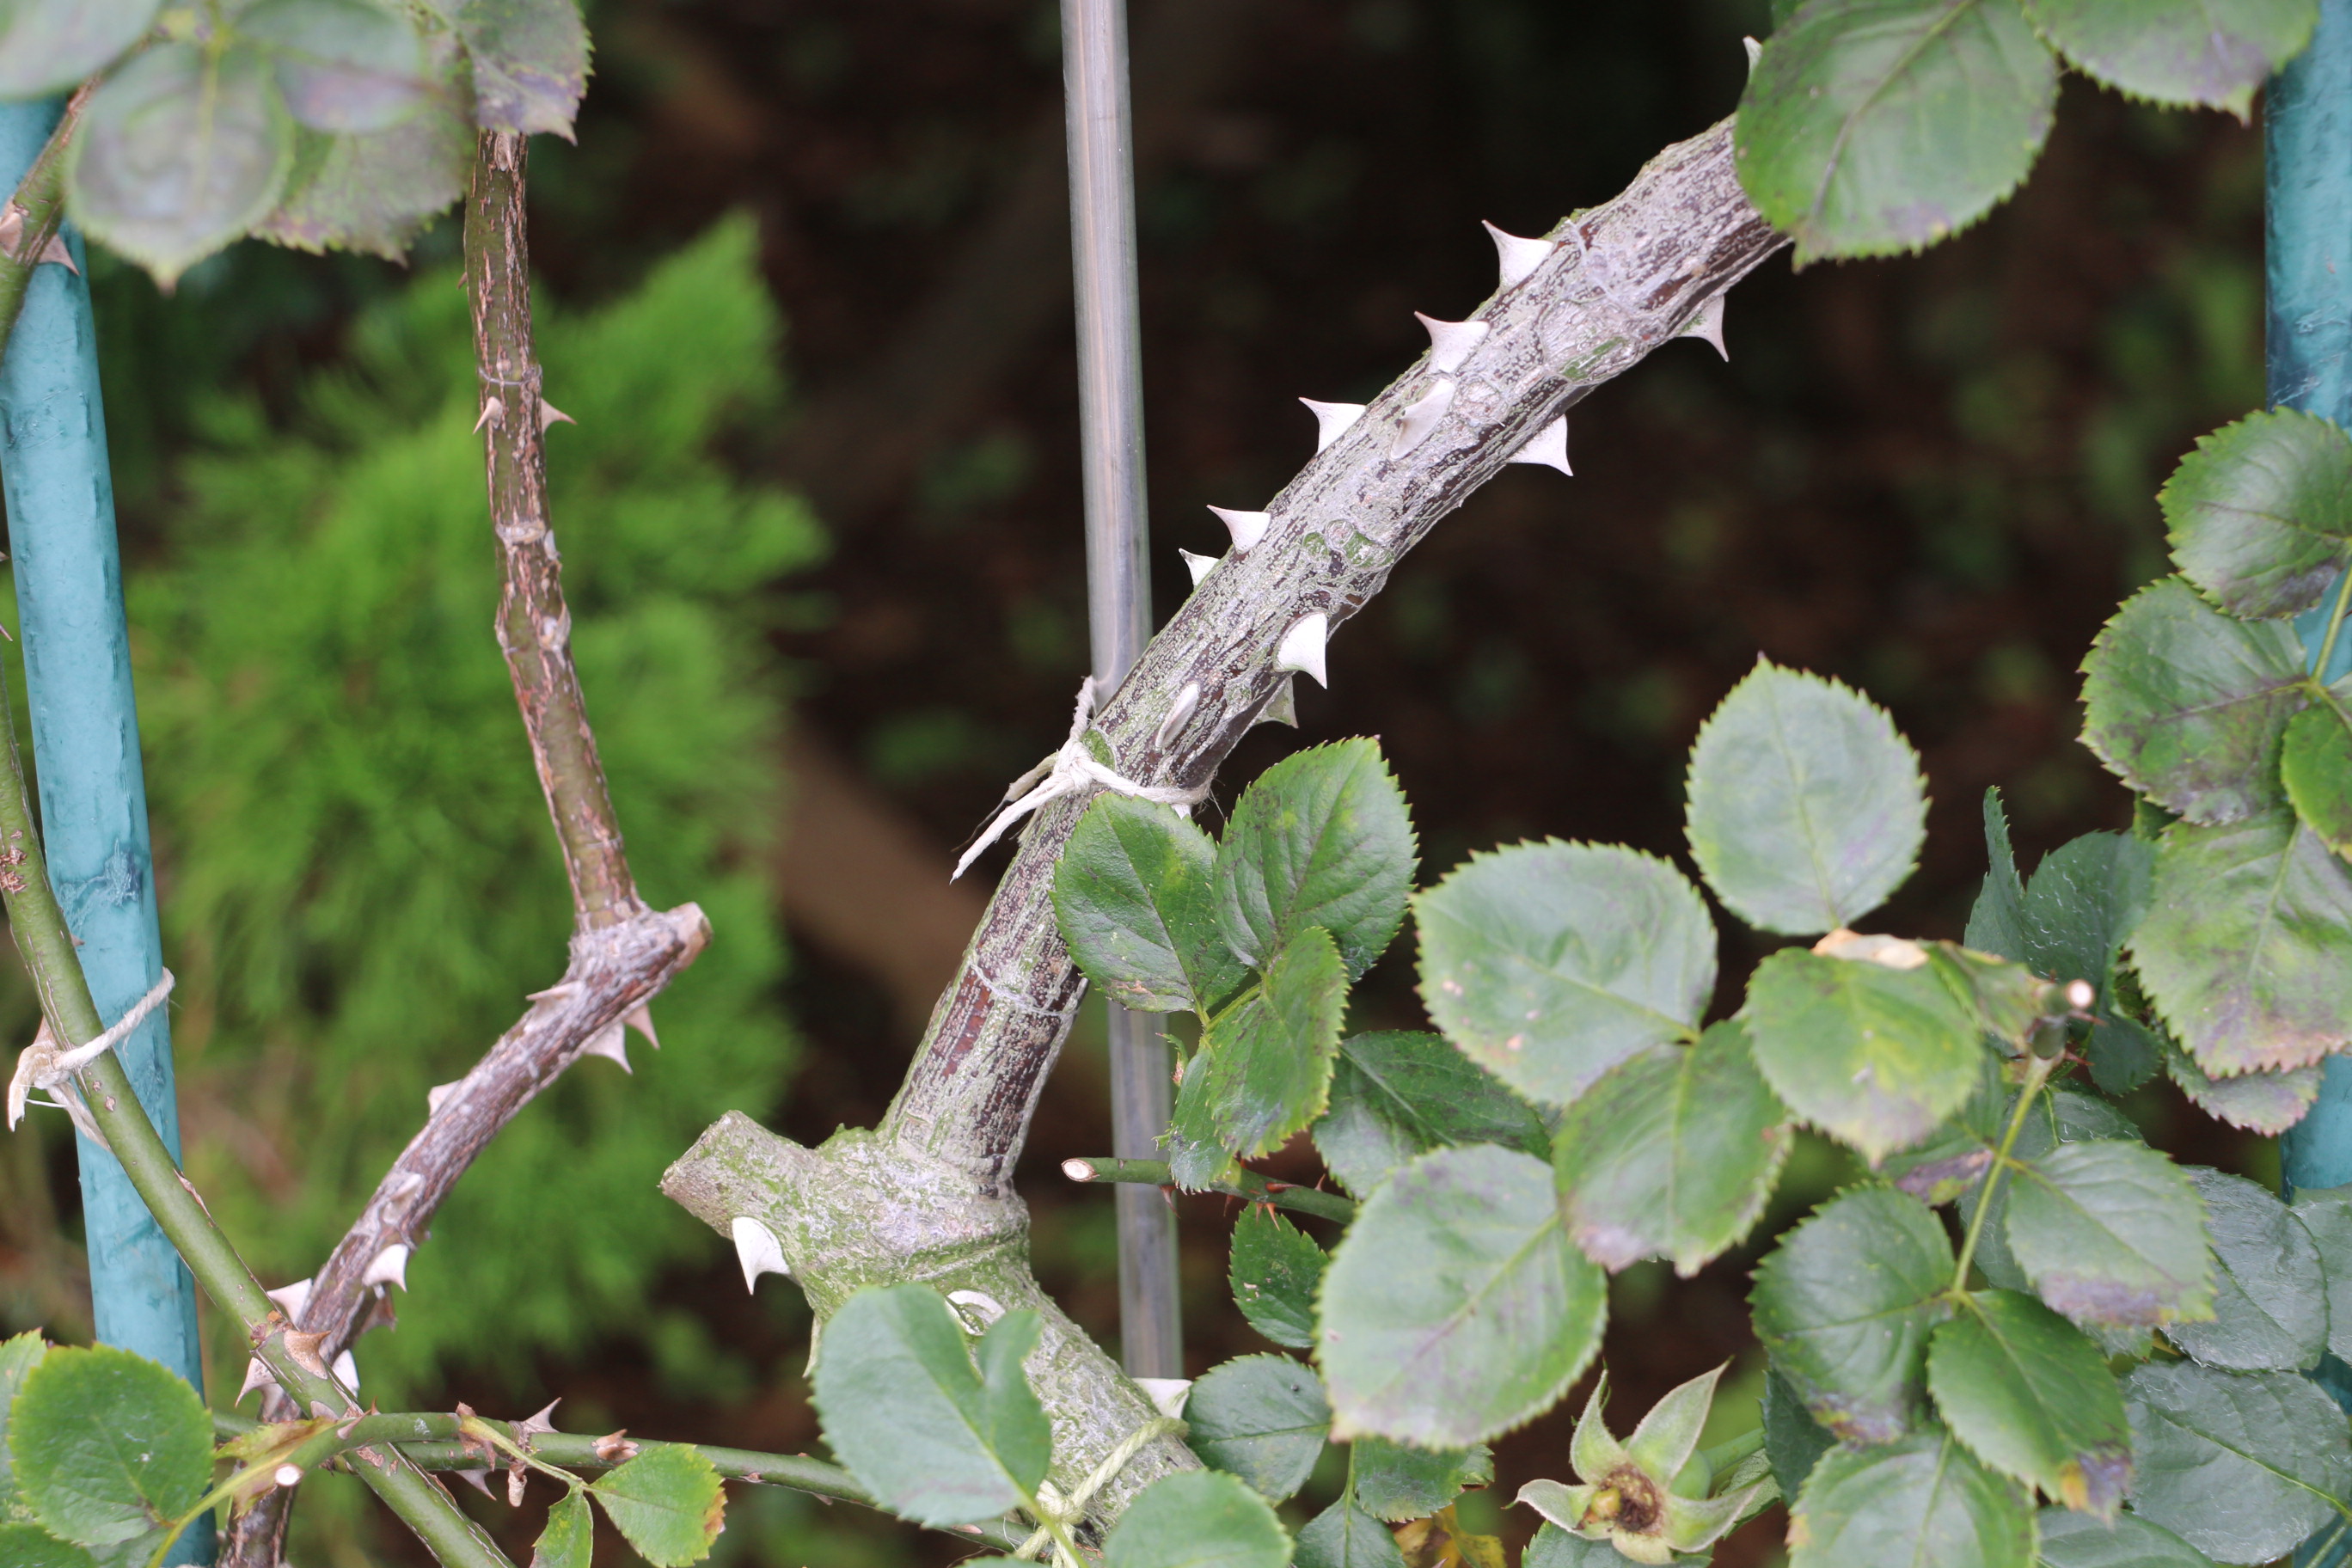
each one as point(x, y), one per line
point(69, 573)
point(1118, 601)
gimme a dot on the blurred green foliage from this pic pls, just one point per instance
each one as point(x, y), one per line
point(358, 877)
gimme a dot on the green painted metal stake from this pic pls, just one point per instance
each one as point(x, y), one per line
point(77, 649)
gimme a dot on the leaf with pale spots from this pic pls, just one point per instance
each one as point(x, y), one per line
point(1398, 1093)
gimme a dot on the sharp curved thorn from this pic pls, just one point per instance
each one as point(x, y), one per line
point(1518, 257)
point(1755, 51)
point(1548, 447)
point(493, 412)
point(389, 1267)
point(1302, 647)
point(1450, 342)
point(291, 1299)
point(347, 1371)
point(1188, 698)
point(538, 1422)
point(479, 1480)
point(256, 1376)
point(304, 1349)
point(437, 1094)
point(641, 1019)
point(1199, 566)
point(556, 992)
point(1247, 527)
point(1282, 708)
point(611, 1041)
point(757, 1249)
point(1331, 419)
point(550, 414)
point(1422, 416)
point(55, 250)
point(1706, 325)
point(1167, 1394)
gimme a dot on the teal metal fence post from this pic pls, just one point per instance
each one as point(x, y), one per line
point(69, 574)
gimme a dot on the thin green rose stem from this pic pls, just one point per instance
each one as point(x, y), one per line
point(1247, 1185)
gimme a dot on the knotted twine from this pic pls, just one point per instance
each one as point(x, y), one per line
point(1066, 1512)
point(1067, 772)
point(41, 1065)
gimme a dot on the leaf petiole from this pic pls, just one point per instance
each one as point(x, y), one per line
point(2038, 1069)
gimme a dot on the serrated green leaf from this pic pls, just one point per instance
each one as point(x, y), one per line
point(1135, 894)
point(1876, 126)
point(341, 65)
point(1398, 1093)
point(1556, 1548)
point(1672, 1153)
point(1997, 921)
point(569, 1538)
point(2239, 1465)
point(1396, 1483)
point(1197, 1520)
point(2265, 1102)
point(2112, 1232)
point(2070, 1540)
point(2260, 513)
point(668, 1502)
point(2326, 1218)
point(1275, 1271)
point(529, 61)
point(18, 1356)
point(2033, 1399)
point(1793, 1441)
point(1845, 1305)
point(49, 46)
point(375, 192)
point(30, 1546)
point(2270, 1298)
point(1922, 1501)
point(1263, 1070)
point(1547, 964)
point(2315, 768)
point(935, 1437)
point(108, 1448)
point(2246, 949)
point(1875, 1057)
point(180, 151)
point(1321, 838)
point(2083, 904)
point(1263, 1419)
point(2187, 705)
point(1456, 1307)
point(1806, 806)
point(2187, 52)
point(1344, 1537)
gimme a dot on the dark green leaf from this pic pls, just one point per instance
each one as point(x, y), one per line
point(1397, 1483)
point(2246, 949)
point(2186, 704)
point(1263, 1419)
point(1198, 1519)
point(2070, 1540)
point(2084, 900)
point(30, 1546)
point(1547, 964)
point(2270, 1298)
point(1276, 1269)
point(1672, 1153)
point(2261, 513)
point(1793, 1441)
point(2315, 766)
point(1344, 1537)
point(933, 1436)
point(1396, 1094)
point(1876, 126)
point(1456, 1307)
point(2265, 1102)
point(2033, 1399)
point(2239, 1465)
point(1322, 838)
point(2111, 1232)
point(1845, 1305)
point(1922, 1502)
point(1997, 923)
point(180, 151)
point(1806, 806)
point(342, 65)
point(1263, 1071)
point(529, 57)
point(1134, 891)
point(2194, 52)
point(109, 1446)
point(1556, 1548)
point(569, 1538)
point(49, 46)
point(374, 192)
point(18, 1356)
point(668, 1501)
point(1875, 1057)
point(2326, 1218)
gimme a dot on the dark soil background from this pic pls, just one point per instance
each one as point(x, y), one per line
point(1931, 478)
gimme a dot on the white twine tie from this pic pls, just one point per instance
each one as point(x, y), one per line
point(1067, 772)
point(41, 1065)
point(1068, 1512)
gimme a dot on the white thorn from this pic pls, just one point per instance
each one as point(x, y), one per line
point(1519, 256)
point(1248, 527)
point(1282, 708)
point(437, 1094)
point(550, 415)
point(348, 1371)
point(1078, 1169)
point(1331, 419)
point(493, 412)
point(641, 1019)
point(256, 1376)
point(758, 1251)
point(1755, 51)
point(556, 992)
point(1548, 447)
point(291, 1299)
point(1187, 699)
point(390, 1267)
point(612, 1040)
point(1199, 565)
point(286, 1474)
point(1706, 326)
point(1302, 647)
point(538, 1422)
point(1422, 417)
point(1450, 342)
point(55, 250)
point(1167, 1394)
point(970, 1305)
point(479, 1480)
